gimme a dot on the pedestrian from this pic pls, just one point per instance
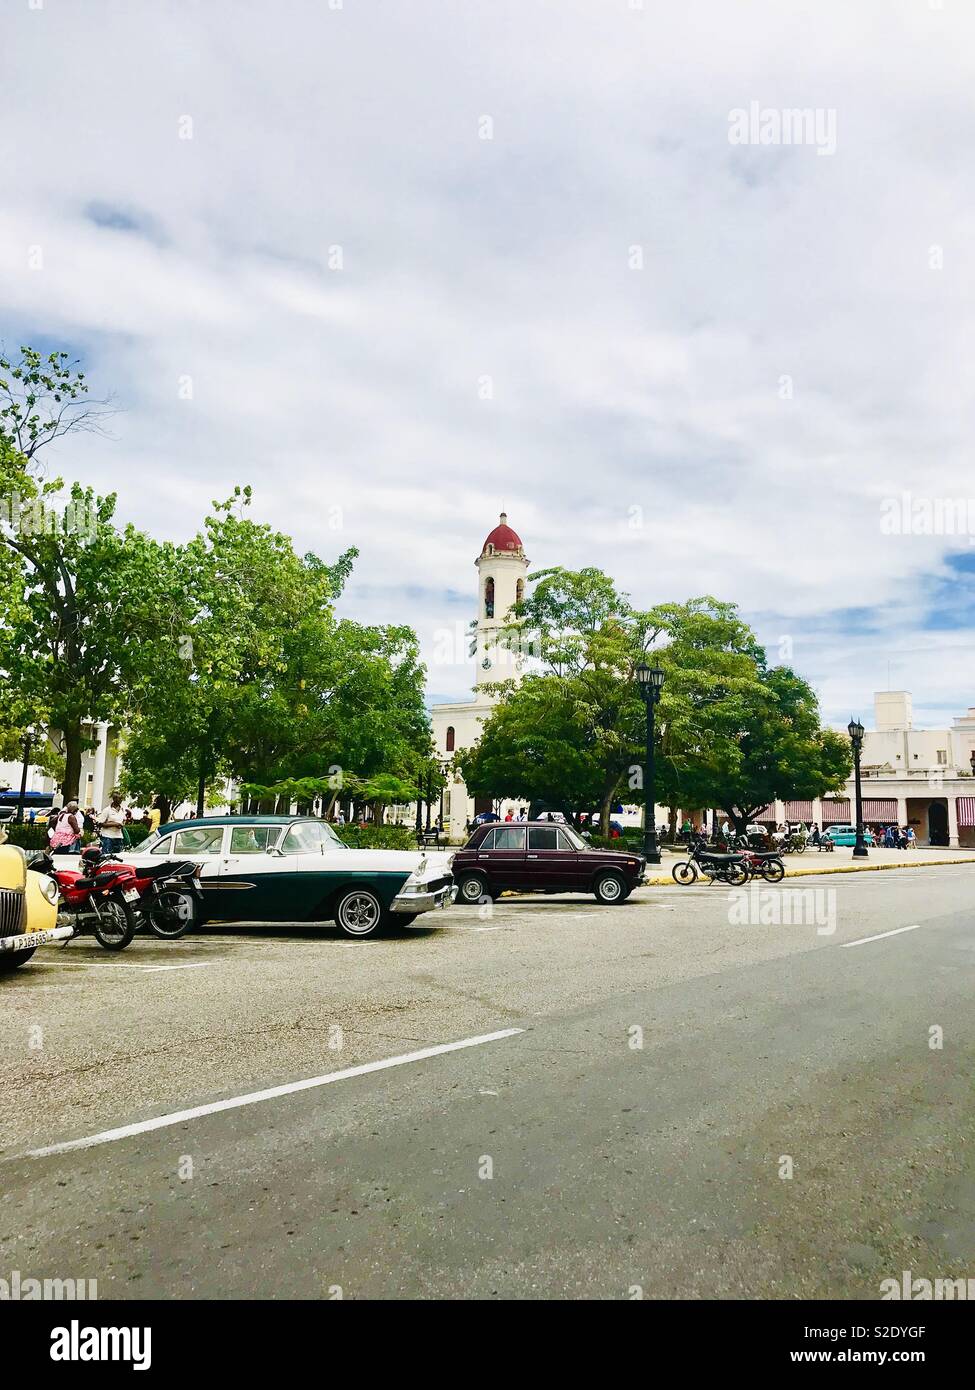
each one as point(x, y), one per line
point(64, 833)
point(155, 815)
point(111, 825)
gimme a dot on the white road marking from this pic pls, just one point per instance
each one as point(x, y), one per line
point(116, 965)
point(880, 935)
point(179, 1117)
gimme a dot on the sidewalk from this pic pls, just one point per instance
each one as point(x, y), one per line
point(841, 861)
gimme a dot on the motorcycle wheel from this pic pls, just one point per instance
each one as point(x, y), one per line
point(114, 925)
point(773, 871)
point(736, 874)
point(172, 914)
point(683, 872)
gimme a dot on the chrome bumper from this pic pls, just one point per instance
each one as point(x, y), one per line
point(422, 902)
point(34, 938)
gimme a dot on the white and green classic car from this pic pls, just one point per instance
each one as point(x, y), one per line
point(296, 869)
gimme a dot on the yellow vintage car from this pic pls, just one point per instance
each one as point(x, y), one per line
point(28, 908)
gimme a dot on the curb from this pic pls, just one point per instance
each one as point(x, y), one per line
point(661, 882)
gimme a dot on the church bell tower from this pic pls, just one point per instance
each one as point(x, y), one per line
point(502, 566)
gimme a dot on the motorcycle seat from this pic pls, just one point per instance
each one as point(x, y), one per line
point(720, 858)
point(170, 868)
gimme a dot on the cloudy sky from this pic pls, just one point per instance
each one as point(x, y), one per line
point(395, 262)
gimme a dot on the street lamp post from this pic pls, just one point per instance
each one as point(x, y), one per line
point(650, 681)
point(855, 730)
point(29, 736)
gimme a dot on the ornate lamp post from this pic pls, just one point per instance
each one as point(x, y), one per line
point(650, 681)
point(29, 736)
point(855, 730)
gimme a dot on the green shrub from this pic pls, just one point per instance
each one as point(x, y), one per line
point(30, 837)
point(377, 836)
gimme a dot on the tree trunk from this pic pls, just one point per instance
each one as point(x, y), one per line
point(604, 809)
point(672, 824)
point(72, 762)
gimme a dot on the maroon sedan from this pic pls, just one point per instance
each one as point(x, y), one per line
point(542, 857)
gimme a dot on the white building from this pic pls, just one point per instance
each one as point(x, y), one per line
point(917, 777)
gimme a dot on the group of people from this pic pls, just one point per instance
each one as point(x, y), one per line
point(67, 825)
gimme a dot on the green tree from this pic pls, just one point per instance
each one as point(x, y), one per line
point(574, 733)
point(78, 629)
point(263, 683)
point(782, 750)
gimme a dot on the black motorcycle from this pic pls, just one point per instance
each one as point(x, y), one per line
point(723, 868)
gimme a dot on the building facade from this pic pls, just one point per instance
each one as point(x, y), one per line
point(917, 777)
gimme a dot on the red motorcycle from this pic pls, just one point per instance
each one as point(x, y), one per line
point(96, 896)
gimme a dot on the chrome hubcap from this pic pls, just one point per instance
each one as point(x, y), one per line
point(360, 913)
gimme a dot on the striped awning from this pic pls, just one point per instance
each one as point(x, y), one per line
point(798, 810)
point(966, 810)
point(765, 814)
point(836, 813)
point(883, 809)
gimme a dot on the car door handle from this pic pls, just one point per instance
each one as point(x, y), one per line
point(533, 856)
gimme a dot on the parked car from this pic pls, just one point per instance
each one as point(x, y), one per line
point(842, 834)
point(539, 856)
point(28, 909)
point(296, 869)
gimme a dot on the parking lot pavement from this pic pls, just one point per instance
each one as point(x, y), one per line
point(393, 1074)
point(93, 1039)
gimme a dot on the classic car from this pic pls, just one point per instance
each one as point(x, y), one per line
point(842, 834)
point(296, 869)
point(539, 856)
point(28, 908)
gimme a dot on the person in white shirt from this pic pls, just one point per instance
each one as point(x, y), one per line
point(111, 826)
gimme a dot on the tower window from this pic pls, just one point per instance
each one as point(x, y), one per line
point(489, 598)
point(450, 738)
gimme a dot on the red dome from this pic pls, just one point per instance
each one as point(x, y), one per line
point(503, 538)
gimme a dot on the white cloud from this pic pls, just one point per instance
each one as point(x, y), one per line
point(464, 258)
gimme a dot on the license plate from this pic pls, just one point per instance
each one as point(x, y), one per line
point(23, 943)
point(131, 895)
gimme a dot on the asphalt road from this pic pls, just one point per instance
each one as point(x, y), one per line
point(561, 1160)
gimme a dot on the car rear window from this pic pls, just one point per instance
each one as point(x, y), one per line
point(543, 838)
point(253, 839)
